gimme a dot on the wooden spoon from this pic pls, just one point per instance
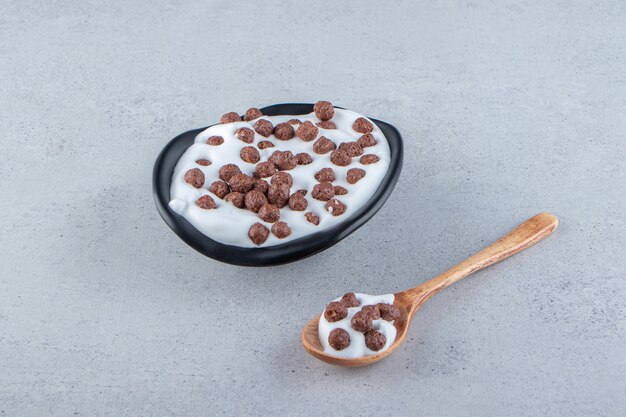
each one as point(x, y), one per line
point(523, 236)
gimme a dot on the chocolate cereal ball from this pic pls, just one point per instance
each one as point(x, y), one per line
point(351, 148)
point(372, 311)
point(327, 124)
point(219, 188)
point(339, 339)
point(307, 131)
point(206, 202)
point(252, 113)
point(230, 117)
point(354, 175)
point(362, 125)
point(324, 110)
point(255, 200)
point(361, 322)
point(323, 145)
point(304, 158)
point(264, 127)
point(284, 131)
point(389, 312)
point(335, 311)
point(281, 230)
point(369, 159)
point(235, 198)
point(282, 177)
point(335, 207)
point(203, 162)
point(340, 158)
point(261, 185)
point(325, 175)
point(375, 340)
point(269, 213)
point(258, 233)
point(297, 202)
point(245, 134)
point(215, 140)
point(265, 169)
point(323, 191)
point(264, 144)
point(241, 183)
point(339, 190)
point(367, 140)
point(312, 218)
point(284, 160)
point(349, 299)
point(250, 154)
point(228, 170)
point(278, 194)
point(194, 177)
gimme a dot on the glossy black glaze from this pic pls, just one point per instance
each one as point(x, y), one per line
point(279, 254)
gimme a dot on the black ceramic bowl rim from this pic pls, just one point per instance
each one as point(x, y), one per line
point(283, 253)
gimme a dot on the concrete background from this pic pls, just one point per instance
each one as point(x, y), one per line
point(508, 108)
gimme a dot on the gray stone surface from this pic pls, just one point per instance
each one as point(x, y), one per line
point(507, 109)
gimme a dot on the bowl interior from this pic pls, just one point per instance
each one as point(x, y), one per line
point(278, 254)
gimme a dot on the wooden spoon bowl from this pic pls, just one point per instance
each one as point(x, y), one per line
point(409, 301)
point(311, 341)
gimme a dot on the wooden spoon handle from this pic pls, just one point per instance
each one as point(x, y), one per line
point(523, 236)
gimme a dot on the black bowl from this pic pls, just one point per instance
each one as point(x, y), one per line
point(279, 254)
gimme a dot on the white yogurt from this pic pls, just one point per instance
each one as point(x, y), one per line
point(357, 347)
point(229, 225)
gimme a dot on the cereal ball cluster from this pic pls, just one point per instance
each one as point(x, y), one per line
point(304, 158)
point(206, 202)
point(264, 127)
point(312, 218)
point(284, 131)
point(241, 183)
point(195, 177)
point(219, 188)
point(215, 140)
point(367, 140)
point(339, 339)
point(228, 170)
point(362, 321)
point(264, 144)
point(269, 213)
point(258, 233)
point(245, 134)
point(250, 154)
point(203, 162)
point(230, 117)
point(235, 198)
point(340, 158)
point(284, 160)
point(326, 124)
point(252, 113)
point(354, 175)
point(362, 125)
point(307, 131)
point(264, 186)
point(281, 229)
point(336, 311)
point(297, 202)
point(335, 207)
point(324, 110)
point(323, 145)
